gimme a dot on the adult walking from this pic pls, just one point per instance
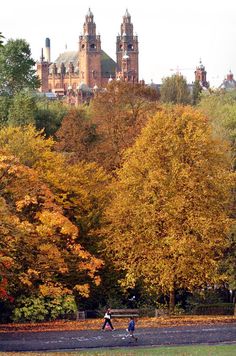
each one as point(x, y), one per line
point(107, 319)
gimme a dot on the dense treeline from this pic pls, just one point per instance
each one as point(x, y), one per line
point(126, 196)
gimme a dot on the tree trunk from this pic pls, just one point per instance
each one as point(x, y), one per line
point(172, 301)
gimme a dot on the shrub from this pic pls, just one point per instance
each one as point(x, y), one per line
point(42, 308)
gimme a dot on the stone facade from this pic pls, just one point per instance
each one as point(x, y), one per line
point(90, 67)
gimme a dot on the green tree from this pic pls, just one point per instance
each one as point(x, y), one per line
point(17, 67)
point(197, 89)
point(49, 115)
point(1, 39)
point(175, 90)
point(220, 107)
point(22, 110)
point(5, 102)
point(168, 222)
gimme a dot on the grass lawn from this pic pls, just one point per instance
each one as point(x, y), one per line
point(199, 350)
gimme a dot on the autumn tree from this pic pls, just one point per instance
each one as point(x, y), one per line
point(175, 90)
point(77, 136)
point(43, 242)
point(119, 113)
point(61, 205)
point(169, 218)
point(17, 70)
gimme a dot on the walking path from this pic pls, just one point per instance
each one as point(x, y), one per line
point(88, 339)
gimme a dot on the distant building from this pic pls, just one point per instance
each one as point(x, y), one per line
point(90, 68)
point(201, 76)
point(229, 83)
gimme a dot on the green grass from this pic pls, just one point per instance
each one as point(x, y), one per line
point(199, 350)
point(202, 350)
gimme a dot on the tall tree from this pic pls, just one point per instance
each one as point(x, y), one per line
point(168, 222)
point(1, 39)
point(119, 113)
point(22, 110)
point(60, 202)
point(5, 103)
point(175, 90)
point(49, 115)
point(17, 70)
point(77, 136)
point(197, 89)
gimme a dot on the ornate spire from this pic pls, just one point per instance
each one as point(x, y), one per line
point(127, 14)
point(89, 14)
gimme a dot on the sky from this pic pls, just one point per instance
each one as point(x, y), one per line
point(173, 34)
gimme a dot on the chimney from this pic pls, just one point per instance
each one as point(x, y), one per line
point(47, 50)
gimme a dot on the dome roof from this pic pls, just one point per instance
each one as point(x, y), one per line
point(83, 87)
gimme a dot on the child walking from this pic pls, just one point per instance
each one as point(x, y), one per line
point(131, 328)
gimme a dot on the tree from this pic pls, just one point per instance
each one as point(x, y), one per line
point(119, 114)
point(22, 110)
point(5, 103)
point(1, 39)
point(197, 89)
point(49, 115)
point(109, 125)
point(168, 221)
point(57, 204)
point(40, 239)
point(77, 136)
point(17, 67)
point(175, 90)
point(220, 107)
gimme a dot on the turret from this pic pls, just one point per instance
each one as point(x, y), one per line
point(127, 51)
point(90, 53)
point(200, 75)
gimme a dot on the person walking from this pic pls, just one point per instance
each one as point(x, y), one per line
point(131, 328)
point(107, 319)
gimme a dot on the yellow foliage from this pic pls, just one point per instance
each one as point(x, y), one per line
point(49, 198)
point(27, 200)
point(168, 221)
point(54, 290)
point(24, 278)
point(83, 290)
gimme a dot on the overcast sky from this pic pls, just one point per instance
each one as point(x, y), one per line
point(172, 33)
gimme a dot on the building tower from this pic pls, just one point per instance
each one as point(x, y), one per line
point(42, 72)
point(200, 75)
point(90, 54)
point(127, 51)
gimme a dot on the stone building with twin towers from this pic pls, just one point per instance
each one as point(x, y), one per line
point(90, 68)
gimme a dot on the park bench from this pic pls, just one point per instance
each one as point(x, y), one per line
point(124, 313)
